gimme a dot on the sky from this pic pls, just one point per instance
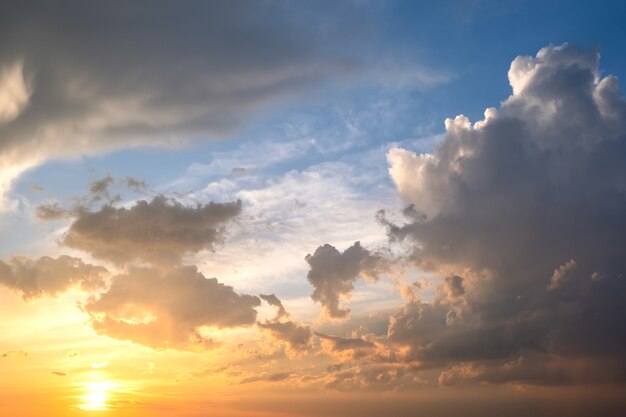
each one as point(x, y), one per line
point(332, 208)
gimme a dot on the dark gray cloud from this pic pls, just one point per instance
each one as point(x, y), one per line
point(534, 368)
point(168, 309)
point(47, 276)
point(525, 212)
point(78, 78)
point(332, 274)
point(159, 231)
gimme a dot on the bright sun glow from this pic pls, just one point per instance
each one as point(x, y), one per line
point(96, 396)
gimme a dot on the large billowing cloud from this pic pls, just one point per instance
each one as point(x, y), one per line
point(168, 309)
point(47, 276)
point(78, 78)
point(527, 209)
point(159, 231)
point(332, 274)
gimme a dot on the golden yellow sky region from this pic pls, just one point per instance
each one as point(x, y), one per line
point(68, 370)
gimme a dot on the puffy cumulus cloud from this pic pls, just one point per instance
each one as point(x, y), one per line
point(78, 79)
point(159, 231)
point(47, 276)
point(296, 336)
point(332, 274)
point(526, 206)
point(168, 309)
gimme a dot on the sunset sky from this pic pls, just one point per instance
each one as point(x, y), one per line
point(303, 209)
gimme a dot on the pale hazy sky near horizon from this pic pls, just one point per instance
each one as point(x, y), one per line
point(274, 208)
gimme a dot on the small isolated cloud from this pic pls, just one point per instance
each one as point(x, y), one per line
point(504, 201)
point(14, 354)
point(57, 373)
point(47, 276)
point(558, 276)
point(168, 309)
point(15, 91)
point(158, 231)
point(332, 274)
point(272, 300)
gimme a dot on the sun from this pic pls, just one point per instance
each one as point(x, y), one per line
point(96, 395)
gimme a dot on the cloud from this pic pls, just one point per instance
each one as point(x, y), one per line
point(558, 276)
point(367, 378)
point(533, 368)
point(160, 231)
point(57, 373)
point(346, 348)
point(51, 211)
point(166, 75)
point(168, 309)
point(47, 276)
point(272, 300)
point(14, 354)
point(332, 274)
point(502, 202)
point(100, 192)
point(275, 377)
point(14, 91)
point(136, 185)
point(295, 335)
point(99, 189)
